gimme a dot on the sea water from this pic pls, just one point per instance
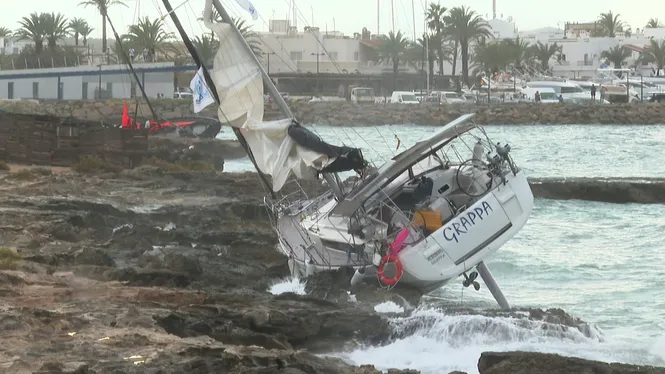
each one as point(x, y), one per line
point(603, 263)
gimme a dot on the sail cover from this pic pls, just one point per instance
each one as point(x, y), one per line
point(279, 147)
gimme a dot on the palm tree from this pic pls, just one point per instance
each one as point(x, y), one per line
point(519, 52)
point(426, 43)
point(394, 49)
point(653, 23)
point(206, 47)
point(616, 55)
point(248, 34)
point(76, 25)
point(610, 24)
point(465, 26)
point(149, 35)
point(32, 28)
point(84, 32)
point(655, 54)
point(491, 56)
point(5, 31)
point(56, 27)
point(434, 17)
point(103, 7)
point(545, 52)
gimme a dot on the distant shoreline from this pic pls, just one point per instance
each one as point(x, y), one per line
point(348, 114)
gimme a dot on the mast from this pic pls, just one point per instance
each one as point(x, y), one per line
point(213, 90)
point(131, 68)
point(378, 17)
point(331, 179)
point(413, 15)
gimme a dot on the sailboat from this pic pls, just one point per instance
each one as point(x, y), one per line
point(191, 127)
point(431, 213)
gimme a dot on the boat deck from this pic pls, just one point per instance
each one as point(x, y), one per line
point(303, 248)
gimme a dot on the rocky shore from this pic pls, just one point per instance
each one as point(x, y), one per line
point(345, 113)
point(155, 270)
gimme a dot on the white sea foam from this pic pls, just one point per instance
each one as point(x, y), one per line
point(290, 284)
point(388, 307)
point(433, 342)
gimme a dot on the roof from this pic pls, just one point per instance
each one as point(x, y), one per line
point(634, 47)
point(372, 43)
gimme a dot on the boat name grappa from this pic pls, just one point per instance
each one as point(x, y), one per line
point(466, 221)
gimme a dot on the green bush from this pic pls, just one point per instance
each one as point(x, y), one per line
point(180, 166)
point(94, 164)
point(8, 259)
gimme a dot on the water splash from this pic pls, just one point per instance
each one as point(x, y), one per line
point(388, 307)
point(290, 284)
point(434, 342)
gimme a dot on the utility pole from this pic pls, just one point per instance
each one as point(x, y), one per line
point(413, 15)
point(378, 17)
point(392, 12)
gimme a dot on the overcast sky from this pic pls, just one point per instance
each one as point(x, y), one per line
point(349, 16)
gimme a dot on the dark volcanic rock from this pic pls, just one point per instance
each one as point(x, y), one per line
point(537, 363)
point(646, 191)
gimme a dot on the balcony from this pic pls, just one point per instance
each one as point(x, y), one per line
point(585, 63)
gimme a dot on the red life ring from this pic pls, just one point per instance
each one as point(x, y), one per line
point(398, 275)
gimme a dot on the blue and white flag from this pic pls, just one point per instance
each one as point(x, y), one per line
point(248, 6)
point(200, 92)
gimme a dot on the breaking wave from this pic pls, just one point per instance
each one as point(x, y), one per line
point(290, 284)
point(432, 341)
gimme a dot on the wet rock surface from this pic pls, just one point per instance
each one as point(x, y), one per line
point(151, 271)
point(537, 363)
point(615, 190)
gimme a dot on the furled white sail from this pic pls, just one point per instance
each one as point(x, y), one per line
point(239, 84)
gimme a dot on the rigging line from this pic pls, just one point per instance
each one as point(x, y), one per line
point(370, 146)
point(263, 44)
point(213, 90)
point(129, 63)
point(318, 40)
point(384, 140)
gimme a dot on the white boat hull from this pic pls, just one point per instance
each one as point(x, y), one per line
point(454, 249)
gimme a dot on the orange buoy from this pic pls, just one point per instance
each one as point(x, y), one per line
point(390, 281)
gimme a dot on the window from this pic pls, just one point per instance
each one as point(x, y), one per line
point(109, 90)
point(132, 90)
point(332, 56)
point(61, 89)
point(10, 90)
point(296, 55)
point(566, 90)
point(356, 56)
point(84, 91)
point(35, 90)
point(563, 57)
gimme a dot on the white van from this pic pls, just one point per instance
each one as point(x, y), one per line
point(448, 97)
point(547, 95)
point(404, 97)
point(570, 91)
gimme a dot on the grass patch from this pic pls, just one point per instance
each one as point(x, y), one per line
point(8, 259)
point(4, 166)
point(94, 164)
point(23, 175)
point(180, 166)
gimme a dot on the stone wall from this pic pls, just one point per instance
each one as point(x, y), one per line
point(345, 113)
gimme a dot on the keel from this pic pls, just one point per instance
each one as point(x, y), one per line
point(492, 285)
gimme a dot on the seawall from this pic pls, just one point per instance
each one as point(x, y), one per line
point(345, 113)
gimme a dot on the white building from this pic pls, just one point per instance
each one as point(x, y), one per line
point(288, 50)
point(87, 82)
point(10, 45)
point(581, 53)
